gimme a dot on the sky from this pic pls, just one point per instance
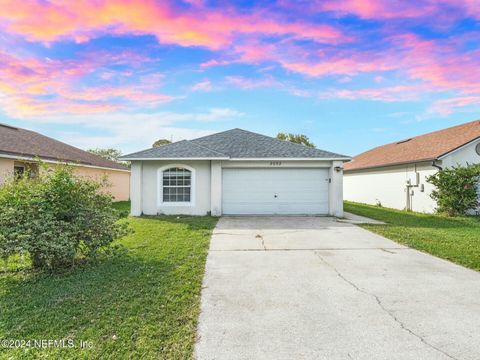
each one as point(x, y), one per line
point(350, 74)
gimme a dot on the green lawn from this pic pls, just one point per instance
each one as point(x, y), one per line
point(455, 239)
point(140, 304)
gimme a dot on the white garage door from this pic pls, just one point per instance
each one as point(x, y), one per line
point(275, 191)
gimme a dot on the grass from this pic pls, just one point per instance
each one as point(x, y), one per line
point(455, 239)
point(142, 303)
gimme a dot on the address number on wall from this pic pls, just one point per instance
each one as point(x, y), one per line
point(275, 163)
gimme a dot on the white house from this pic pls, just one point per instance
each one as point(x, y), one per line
point(236, 172)
point(394, 175)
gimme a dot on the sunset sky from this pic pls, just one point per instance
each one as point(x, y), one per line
point(350, 74)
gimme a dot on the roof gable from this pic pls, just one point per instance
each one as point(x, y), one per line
point(425, 147)
point(234, 144)
point(25, 143)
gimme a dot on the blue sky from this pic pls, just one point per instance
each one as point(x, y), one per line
point(350, 74)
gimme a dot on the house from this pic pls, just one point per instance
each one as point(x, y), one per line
point(20, 149)
point(236, 172)
point(394, 175)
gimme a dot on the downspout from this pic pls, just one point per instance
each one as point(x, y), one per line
point(434, 164)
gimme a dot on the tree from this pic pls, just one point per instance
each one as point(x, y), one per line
point(56, 218)
point(109, 154)
point(296, 139)
point(161, 142)
point(456, 189)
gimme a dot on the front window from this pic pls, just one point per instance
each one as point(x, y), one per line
point(177, 184)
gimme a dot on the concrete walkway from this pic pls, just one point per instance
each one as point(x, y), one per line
point(358, 219)
point(315, 288)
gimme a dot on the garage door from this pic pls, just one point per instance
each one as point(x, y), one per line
point(275, 191)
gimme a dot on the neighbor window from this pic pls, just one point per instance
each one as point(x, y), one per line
point(177, 183)
point(18, 171)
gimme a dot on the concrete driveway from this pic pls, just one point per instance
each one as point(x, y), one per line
point(314, 288)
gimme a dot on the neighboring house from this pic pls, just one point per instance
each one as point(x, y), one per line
point(236, 172)
point(20, 149)
point(394, 175)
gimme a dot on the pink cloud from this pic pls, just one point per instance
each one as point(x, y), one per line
point(39, 86)
point(393, 9)
point(376, 8)
point(386, 94)
point(204, 85)
point(449, 106)
point(246, 83)
point(347, 65)
point(81, 20)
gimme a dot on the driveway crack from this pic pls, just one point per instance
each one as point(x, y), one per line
point(258, 236)
point(384, 309)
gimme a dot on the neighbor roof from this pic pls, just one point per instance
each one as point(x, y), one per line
point(17, 142)
point(426, 147)
point(233, 144)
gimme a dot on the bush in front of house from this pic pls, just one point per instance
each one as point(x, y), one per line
point(456, 189)
point(56, 217)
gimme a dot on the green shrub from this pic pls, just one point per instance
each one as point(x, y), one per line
point(456, 189)
point(56, 217)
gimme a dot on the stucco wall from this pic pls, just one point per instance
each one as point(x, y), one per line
point(146, 175)
point(145, 185)
point(462, 156)
point(6, 169)
point(388, 186)
point(119, 181)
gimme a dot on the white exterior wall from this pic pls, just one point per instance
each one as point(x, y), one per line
point(387, 185)
point(145, 176)
point(335, 190)
point(136, 184)
point(462, 156)
point(208, 184)
point(216, 188)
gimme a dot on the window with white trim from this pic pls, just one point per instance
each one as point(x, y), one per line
point(177, 184)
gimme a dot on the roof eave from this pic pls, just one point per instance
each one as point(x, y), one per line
point(457, 148)
point(172, 158)
point(56, 161)
point(392, 164)
point(291, 159)
point(236, 159)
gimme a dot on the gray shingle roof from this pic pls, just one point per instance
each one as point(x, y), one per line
point(235, 143)
point(180, 149)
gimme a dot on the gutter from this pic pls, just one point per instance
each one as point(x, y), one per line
point(48, 161)
point(434, 164)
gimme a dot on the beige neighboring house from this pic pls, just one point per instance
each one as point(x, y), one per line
point(20, 149)
point(395, 175)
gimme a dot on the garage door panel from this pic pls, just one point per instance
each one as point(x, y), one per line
point(252, 191)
